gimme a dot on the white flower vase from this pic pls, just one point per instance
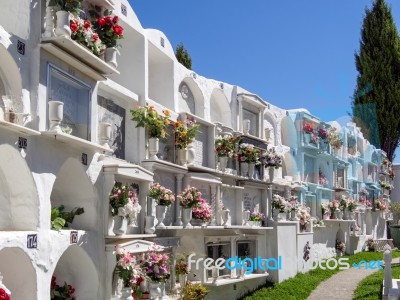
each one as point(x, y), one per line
point(275, 214)
point(120, 225)
point(149, 227)
point(246, 217)
point(244, 169)
point(325, 217)
point(282, 216)
point(62, 25)
point(382, 214)
point(340, 215)
point(153, 148)
point(56, 114)
point(223, 161)
point(293, 215)
point(182, 279)
point(271, 171)
point(104, 134)
point(182, 157)
point(191, 154)
point(352, 215)
point(110, 56)
point(126, 293)
point(246, 126)
point(336, 214)
point(307, 138)
point(225, 216)
point(251, 170)
point(160, 215)
point(186, 217)
point(155, 289)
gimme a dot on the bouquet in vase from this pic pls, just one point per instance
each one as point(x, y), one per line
point(279, 203)
point(189, 198)
point(161, 195)
point(124, 202)
point(202, 211)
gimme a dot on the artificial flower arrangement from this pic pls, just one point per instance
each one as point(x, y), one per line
point(333, 206)
point(61, 219)
point(149, 118)
point(334, 138)
point(293, 204)
point(385, 185)
point(303, 213)
point(83, 33)
point(4, 295)
point(340, 246)
point(270, 158)
point(225, 146)
point(128, 269)
point(155, 266)
point(189, 198)
point(351, 205)
point(256, 216)
point(308, 128)
point(72, 6)
point(343, 202)
point(248, 153)
point(58, 292)
point(322, 133)
point(381, 205)
point(323, 180)
point(202, 211)
point(109, 31)
point(279, 203)
point(161, 194)
point(124, 201)
point(181, 266)
point(325, 209)
point(185, 132)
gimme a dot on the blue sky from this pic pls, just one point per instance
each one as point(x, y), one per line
point(292, 53)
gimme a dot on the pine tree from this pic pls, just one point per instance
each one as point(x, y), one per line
point(183, 56)
point(376, 101)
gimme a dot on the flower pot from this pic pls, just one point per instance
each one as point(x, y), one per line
point(62, 24)
point(126, 293)
point(336, 214)
point(307, 138)
point(120, 225)
point(186, 217)
point(153, 148)
point(196, 222)
point(182, 279)
point(251, 170)
point(246, 217)
point(56, 114)
point(275, 214)
point(160, 215)
point(104, 134)
point(282, 216)
point(225, 216)
point(149, 227)
point(293, 215)
point(110, 56)
point(271, 174)
point(223, 161)
point(155, 289)
point(191, 154)
point(340, 215)
point(244, 169)
point(182, 157)
point(325, 216)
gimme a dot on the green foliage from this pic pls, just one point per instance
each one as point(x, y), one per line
point(378, 64)
point(193, 292)
point(301, 286)
point(61, 219)
point(149, 117)
point(183, 56)
point(73, 6)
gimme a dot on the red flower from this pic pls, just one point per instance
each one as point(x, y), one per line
point(86, 25)
point(115, 19)
point(108, 20)
point(118, 30)
point(74, 26)
point(95, 37)
point(4, 295)
point(101, 22)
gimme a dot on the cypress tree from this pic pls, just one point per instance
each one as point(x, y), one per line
point(183, 56)
point(376, 100)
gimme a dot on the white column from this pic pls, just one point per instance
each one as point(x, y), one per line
point(269, 206)
point(261, 124)
point(178, 210)
point(214, 204)
point(240, 115)
point(49, 21)
point(264, 204)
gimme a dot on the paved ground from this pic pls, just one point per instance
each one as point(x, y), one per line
point(341, 285)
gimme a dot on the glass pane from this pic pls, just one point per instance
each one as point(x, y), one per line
point(75, 96)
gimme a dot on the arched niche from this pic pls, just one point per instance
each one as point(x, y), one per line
point(19, 200)
point(270, 128)
point(191, 98)
point(77, 269)
point(72, 188)
point(219, 108)
point(288, 133)
point(10, 78)
point(289, 167)
point(19, 276)
point(324, 168)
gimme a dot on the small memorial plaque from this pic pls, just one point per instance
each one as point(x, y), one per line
point(84, 159)
point(22, 143)
point(74, 237)
point(31, 242)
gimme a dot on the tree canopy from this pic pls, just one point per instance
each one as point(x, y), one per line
point(183, 56)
